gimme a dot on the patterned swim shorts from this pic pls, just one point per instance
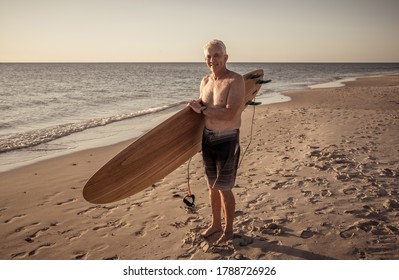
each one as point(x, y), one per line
point(221, 153)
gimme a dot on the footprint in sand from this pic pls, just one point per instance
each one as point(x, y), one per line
point(272, 229)
point(66, 202)
point(391, 205)
point(349, 191)
point(41, 247)
point(179, 225)
point(322, 210)
point(77, 235)
point(314, 199)
point(242, 240)
point(368, 225)
point(87, 210)
point(24, 228)
point(393, 229)
point(112, 225)
point(349, 232)
point(164, 234)
point(387, 173)
point(368, 212)
point(288, 204)
point(103, 211)
point(14, 218)
point(114, 257)
point(80, 255)
point(326, 193)
point(290, 217)
point(142, 231)
point(307, 233)
point(30, 238)
point(19, 255)
point(307, 193)
point(48, 198)
point(280, 185)
point(260, 198)
point(380, 230)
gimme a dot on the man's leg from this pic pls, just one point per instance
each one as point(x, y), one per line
point(216, 206)
point(228, 204)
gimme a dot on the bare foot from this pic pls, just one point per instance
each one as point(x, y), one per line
point(210, 231)
point(224, 238)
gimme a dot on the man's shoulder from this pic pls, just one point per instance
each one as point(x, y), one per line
point(236, 78)
point(206, 78)
point(234, 74)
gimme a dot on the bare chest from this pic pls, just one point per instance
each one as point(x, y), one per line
point(216, 92)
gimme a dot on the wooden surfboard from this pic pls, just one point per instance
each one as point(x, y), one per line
point(156, 154)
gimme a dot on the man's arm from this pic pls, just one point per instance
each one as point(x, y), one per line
point(197, 104)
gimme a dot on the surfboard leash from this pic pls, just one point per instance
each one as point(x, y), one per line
point(254, 104)
point(251, 134)
point(189, 199)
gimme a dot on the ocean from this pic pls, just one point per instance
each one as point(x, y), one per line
point(50, 109)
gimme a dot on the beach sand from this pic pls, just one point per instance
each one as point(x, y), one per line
point(319, 181)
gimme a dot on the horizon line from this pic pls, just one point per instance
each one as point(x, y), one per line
point(193, 62)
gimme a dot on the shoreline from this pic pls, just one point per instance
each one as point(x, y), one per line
point(319, 181)
point(118, 132)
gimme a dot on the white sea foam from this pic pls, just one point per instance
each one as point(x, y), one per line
point(40, 136)
point(333, 84)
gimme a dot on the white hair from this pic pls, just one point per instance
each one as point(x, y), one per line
point(216, 43)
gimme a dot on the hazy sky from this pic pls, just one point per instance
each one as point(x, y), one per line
point(176, 30)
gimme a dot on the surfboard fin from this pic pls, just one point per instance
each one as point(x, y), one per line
point(253, 76)
point(263, 82)
point(253, 103)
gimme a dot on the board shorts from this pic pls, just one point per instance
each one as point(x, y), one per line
point(220, 154)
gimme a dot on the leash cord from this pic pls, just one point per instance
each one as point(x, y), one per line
point(250, 138)
point(188, 178)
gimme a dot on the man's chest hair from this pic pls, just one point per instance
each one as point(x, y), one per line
point(216, 90)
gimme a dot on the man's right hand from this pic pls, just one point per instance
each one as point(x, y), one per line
point(195, 105)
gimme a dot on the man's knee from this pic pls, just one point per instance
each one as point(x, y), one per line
point(227, 194)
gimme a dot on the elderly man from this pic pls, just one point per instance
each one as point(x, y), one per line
point(221, 101)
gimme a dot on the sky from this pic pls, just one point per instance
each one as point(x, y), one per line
point(176, 30)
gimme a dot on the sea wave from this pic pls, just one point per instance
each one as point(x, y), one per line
point(40, 136)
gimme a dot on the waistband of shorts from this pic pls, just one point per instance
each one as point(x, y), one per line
point(221, 132)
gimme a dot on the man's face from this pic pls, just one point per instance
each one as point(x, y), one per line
point(215, 58)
